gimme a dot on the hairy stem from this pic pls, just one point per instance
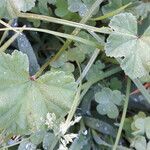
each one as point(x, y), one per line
point(123, 114)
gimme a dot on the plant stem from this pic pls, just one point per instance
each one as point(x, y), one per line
point(86, 86)
point(5, 33)
point(8, 25)
point(63, 35)
point(68, 42)
point(80, 25)
point(142, 89)
point(123, 114)
point(88, 66)
point(140, 86)
point(8, 43)
point(110, 14)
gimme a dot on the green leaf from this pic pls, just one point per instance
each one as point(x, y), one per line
point(142, 9)
point(95, 71)
point(80, 141)
point(7, 6)
point(85, 48)
point(66, 67)
point(43, 9)
point(125, 43)
point(48, 140)
point(141, 125)
point(82, 7)
point(37, 137)
point(100, 126)
point(107, 102)
point(127, 126)
point(115, 84)
point(62, 8)
point(60, 61)
point(116, 4)
point(139, 143)
point(29, 101)
point(76, 54)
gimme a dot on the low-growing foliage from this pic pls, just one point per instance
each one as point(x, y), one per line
point(66, 72)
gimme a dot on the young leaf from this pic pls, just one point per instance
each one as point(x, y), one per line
point(141, 126)
point(139, 143)
point(107, 102)
point(7, 6)
point(115, 84)
point(62, 8)
point(125, 43)
point(80, 52)
point(86, 48)
point(95, 71)
point(76, 54)
point(24, 102)
point(42, 6)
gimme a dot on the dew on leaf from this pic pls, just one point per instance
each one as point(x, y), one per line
point(85, 132)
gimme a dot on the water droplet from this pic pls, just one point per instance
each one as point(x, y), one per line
point(135, 99)
point(85, 132)
point(103, 109)
point(105, 128)
point(141, 97)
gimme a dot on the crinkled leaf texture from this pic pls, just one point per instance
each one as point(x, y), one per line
point(24, 103)
point(6, 9)
point(107, 102)
point(125, 43)
point(141, 126)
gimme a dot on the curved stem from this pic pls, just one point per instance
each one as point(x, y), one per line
point(142, 89)
point(63, 35)
point(88, 66)
point(68, 42)
point(86, 86)
point(11, 40)
point(80, 25)
point(123, 114)
point(110, 14)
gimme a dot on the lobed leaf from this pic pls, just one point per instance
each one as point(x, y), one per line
point(7, 7)
point(24, 103)
point(107, 102)
point(125, 43)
